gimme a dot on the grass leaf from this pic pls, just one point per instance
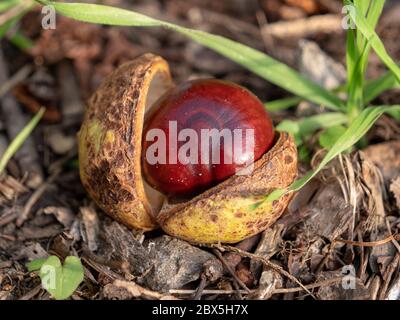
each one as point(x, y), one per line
point(351, 54)
point(8, 4)
point(20, 139)
point(21, 41)
point(329, 137)
point(358, 128)
point(305, 126)
point(254, 60)
point(324, 120)
point(375, 87)
point(282, 104)
point(21, 10)
point(373, 39)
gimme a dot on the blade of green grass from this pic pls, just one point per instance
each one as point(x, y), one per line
point(351, 54)
point(254, 60)
point(21, 41)
point(375, 87)
point(369, 33)
point(282, 104)
point(371, 10)
point(374, 12)
point(24, 9)
point(355, 86)
point(395, 114)
point(320, 121)
point(372, 89)
point(8, 25)
point(363, 6)
point(20, 139)
point(358, 55)
point(358, 128)
point(329, 137)
point(303, 127)
point(8, 4)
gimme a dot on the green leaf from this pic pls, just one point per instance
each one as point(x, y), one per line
point(35, 265)
point(304, 154)
point(375, 87)
point(374, 12)
point(292, 127)
point(358, 128)
point(329, 137)
point(373, 39)
point(355, 87)
point(21, 41)
point(324, 120)
point(7, 25)
point(254, 60)
point(20, 139)
point(395, 114)
point(305, 126)
point(358, 54)
point(363, 6)
point(61, 280)
point(351, 54)
point(8, 4)
point(372, 89)
point(282, 104)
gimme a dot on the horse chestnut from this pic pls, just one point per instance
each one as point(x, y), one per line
point(202, 132)
point(114, 169)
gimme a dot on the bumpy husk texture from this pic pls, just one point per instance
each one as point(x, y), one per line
point(226, 213)
point(110, 167)
point(110, 141)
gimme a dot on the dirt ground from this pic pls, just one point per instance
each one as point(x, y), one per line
point(340, 224)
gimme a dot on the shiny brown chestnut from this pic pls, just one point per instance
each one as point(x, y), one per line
point(202, 132)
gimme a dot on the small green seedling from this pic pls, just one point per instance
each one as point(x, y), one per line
point(59, 280)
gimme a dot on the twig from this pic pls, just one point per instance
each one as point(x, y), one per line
point(301, 28)
point(206, 291)
point(395, 243)
point(266, 262)
point(332, 6)
point(237, 291)
point(231, 271)
point(29, 295)
point(387, 276)
point(14, 12)
point(324, 260)
point(372, 243)
point(36, 195)
point(200, 288)
point(6, 218)
point(140, 292)
point(263, 22)
point(7, 237)
point(275, 291)
point(214, 269)
point(309, 286)
point(18, 77)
